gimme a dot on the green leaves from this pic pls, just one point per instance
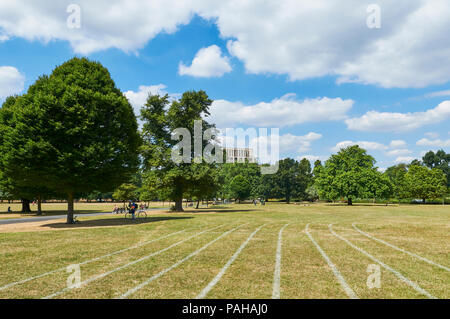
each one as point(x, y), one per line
point(425, 183)
point(351, 174)
point(161, 117)
point(73, 131)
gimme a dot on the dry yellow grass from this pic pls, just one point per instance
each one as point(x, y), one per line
point(423, 230)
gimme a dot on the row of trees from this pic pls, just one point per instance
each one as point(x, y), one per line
point(74, 134)
point(351, 173)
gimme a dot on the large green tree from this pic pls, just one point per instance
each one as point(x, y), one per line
point(250, 171)
point(350, 174)
point(397, 177)
point(426, 183)
point(439, 160)
point(289, 182)
point(72, 132)
point(161, 118)
point(240, 188)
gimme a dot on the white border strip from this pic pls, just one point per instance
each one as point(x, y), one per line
point(277, 272)
point(145, 283)
point(400, 249)
point(349, 291)
point(216, 279)
point(88, 261)
point(407, 281)
point(130, 263)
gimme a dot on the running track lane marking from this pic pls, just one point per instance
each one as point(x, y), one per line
point(216, 279)
point(145, 283)
point(88, 261)
point(277, 272)
point(349, 291)
point(130, 263)
point(407, 281)
point(400, 249)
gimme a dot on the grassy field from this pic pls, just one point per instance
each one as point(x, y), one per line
point(235, 251)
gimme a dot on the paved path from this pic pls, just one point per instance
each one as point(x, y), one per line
point(44, 218)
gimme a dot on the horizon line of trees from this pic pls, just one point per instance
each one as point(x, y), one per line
point(74, 134)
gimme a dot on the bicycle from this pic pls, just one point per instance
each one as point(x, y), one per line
point(141, 214)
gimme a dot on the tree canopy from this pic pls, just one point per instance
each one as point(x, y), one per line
point(162, 117)
point(73, 131)
point(425, 183)
point(351, 174)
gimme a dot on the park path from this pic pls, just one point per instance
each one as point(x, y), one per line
point(45, 218)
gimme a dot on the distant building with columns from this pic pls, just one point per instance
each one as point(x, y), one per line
point(239, 155)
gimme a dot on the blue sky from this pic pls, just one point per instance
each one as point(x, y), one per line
point(349, 83)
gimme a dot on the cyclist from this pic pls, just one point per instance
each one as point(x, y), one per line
point(133, 210)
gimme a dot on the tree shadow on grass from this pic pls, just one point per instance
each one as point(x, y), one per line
point(218, 210)
point(359, 204)
point(52, 213)
point(110, 222)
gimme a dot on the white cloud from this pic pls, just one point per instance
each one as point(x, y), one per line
point(303, 39)
point(11, 81)
point(438, 94)
point(138, 98)
point(208, 62)
point(363, 144)
point(432, 134)
point(399, 152)
point(397, 144)
point(404, 159)
point(395, 147)
point(289, 142)
point(433, 143)
point(286, 142)
point(399, 122)
point(125, 25)
point(283, 143)
point(282, 111)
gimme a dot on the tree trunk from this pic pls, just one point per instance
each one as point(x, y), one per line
point(179, 205)
point(349, 202)
point(423, 200)
point(70, 208)
point(198, 203)
point(26, 206)
point(39, 206)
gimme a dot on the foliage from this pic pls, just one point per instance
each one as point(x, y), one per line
point(439, 160)
point(240, 188)
point(161, 117)
point(125, 192)
point(72, 132)
point(426, 183)
point(351, 174)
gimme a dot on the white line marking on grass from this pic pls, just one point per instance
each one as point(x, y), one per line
point(277, 272)
point(130, 263)
point(407, 281)
point(349, 291)
point(400, 249)
point(216, 279)
point(88, 261)
point(145, 283)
